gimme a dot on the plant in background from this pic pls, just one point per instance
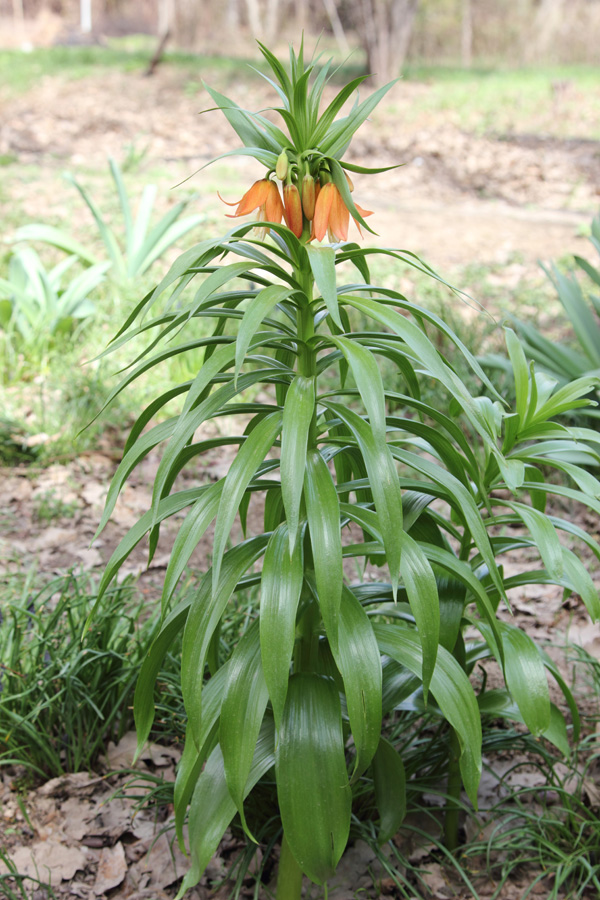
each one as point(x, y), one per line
point(343, 486)
point(63, 699)
point(144, 243)
point(567, 362)
point(36, 310)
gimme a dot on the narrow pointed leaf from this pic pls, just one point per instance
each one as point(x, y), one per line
point(453, 693)
point(384, 485)
point(421, 587)
point(260, 307)
point(243, 709)
point(389, 781)
point(312, 782)
point(212, 808)
point(526, 677)
point(368, 381)
point(358, 659)
point(205, 613)
point(250, 455)
point(322, 264)
point(297, 417)
point(193, 757)
point(143, 704)
point(194, 526)
point(544, 534)
point(281, 585)
point(323, 512)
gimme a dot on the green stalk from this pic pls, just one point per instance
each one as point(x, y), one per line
point(289, 878)
point(453, 792)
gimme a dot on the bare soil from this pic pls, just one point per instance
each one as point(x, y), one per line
point(458, 198)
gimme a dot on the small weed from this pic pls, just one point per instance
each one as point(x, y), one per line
point(14, 886)
point(48, 506)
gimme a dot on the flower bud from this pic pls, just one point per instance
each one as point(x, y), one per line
point(309, 196)
point(293, 209)
point(281, 167)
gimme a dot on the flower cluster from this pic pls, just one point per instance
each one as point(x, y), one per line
point(312, 205)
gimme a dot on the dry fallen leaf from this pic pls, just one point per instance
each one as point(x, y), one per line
point(81, 783)
point(48, 861)
point(112, 869)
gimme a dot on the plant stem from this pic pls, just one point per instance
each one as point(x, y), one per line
point(289, 878)
point(453, 791)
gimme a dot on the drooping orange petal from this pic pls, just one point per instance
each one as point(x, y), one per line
point(255, 197)
point(339, 218)
point(323, 210)
point(273, 207)
point(364, 212)
point(226, 202)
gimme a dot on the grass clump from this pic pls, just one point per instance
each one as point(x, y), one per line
point(64, 696)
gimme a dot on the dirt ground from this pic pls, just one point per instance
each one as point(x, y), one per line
point(458, 198)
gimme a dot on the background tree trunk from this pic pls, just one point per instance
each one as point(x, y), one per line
point(385, 27)
point(466, 33)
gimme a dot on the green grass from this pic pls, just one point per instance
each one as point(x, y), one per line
point(558, 101)
point(20, 71)
point(64, 694)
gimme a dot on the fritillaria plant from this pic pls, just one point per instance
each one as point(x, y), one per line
point(336, 476)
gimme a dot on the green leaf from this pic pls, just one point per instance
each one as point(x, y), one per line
point(322, 264)
point(327, 117)
point(368, 381)
point(520, 372)
point(247, 460)
point(188, 424)
point(461, 499)
point(312, 782)
point(423, 351)
point(143, 703)
point(205, 613)
point(421, 588)
point(298, 414)
point(389, 781)
point(452, 691)
point(48, 234)
point(499, 703)
point(194, 526)
point(281, 586)
point(581, 316)
point(544, 534)
point(260, 306)
point(383, 482)
point(192, 759)
point(341, 133)
point(323, 513)
point(242, 124)
point(357, 657)
point(167, 507)
point(212, 808)
point(580, 579)
point(242, 713)
point(526, 677)
point(107, 235)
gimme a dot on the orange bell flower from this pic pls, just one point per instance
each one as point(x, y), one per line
point(263, 196)
point(332, 215)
